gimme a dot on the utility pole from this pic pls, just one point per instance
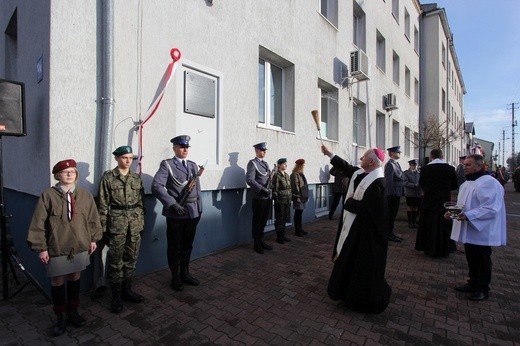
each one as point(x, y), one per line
point(513, 124)
point(503, 146)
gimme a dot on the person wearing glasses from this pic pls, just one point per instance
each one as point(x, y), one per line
point(64, 229)
point(181, 207)
point(121, 208)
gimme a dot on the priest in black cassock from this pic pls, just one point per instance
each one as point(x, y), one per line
point(358, 275)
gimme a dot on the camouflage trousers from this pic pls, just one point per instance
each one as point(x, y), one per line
point(123, 253)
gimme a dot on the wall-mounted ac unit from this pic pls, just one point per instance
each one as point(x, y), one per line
point(390, 102)
point(359, 65)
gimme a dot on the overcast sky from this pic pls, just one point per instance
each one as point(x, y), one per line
point(487, 41)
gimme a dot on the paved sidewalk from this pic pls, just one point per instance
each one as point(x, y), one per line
point(280, 299)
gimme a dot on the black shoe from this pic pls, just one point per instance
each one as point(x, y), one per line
point(258, 247)
point(303, 232)
point(176, 283)
point(116, 305)
point(465, 288)
point(128, 294)
point(298, 234)
point(75, 319)
point(59, 327)
point(394, 238)
point(478, 296)
point(285, 239)
point(280, 240)
point(189, 280)
point(265, 246)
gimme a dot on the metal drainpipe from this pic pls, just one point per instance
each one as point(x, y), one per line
point(107, 97)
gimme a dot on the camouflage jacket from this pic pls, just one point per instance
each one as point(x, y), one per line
point(116, 192)
point(281, 188)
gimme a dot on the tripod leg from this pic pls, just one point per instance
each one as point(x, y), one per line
point(30, 278)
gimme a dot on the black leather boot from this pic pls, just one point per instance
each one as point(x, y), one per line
point(298, 230)
point(279, 237)
point(265, 246)
point(285, 239)
point(414, 219)
point(187, 278)
point(128, 294)
point(258, 246)
point(176, 282)
point(117, 304)
point(409, 214)
point(59, 327)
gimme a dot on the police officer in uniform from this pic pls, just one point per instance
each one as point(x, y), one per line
point(121, 210)
point(181, 220)
point(258, 177)
point(394, 189)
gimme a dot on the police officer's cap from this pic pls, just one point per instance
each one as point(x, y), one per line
point(122, 150)
point(463, 157)
point(282, 160)
point(261, 146)
point(182, 140)
point(396, 149)
point(413, 162)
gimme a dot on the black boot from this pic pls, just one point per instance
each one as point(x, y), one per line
point(279, 237)
point(258, 246)
point(409, 214)
point(128, 294)
point(265, 246)
point(187, 278)
point(176, 282)
point(298, 230)
point(285, 239)
point(73, 303)
point(414, 219)
point(117, 304)
point(59, 307)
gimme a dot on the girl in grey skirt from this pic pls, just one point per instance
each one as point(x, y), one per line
point(64, 230)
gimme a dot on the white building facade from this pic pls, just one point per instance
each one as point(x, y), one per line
point(249, 72)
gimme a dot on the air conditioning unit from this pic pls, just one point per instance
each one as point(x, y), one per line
point(359, 65)
point(390, 102)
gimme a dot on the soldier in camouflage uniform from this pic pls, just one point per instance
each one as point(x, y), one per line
point(122, 217)
point(282, 200)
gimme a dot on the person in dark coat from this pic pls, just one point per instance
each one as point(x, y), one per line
point(339, 190)
point(394, 190)
point(437, 179)
point(412, 192)
point(358, 275)
point(461, 178)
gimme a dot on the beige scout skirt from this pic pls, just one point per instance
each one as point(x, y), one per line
point(63, 265)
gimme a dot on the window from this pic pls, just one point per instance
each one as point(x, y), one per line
point(322, 198)
point(329, 10)
point(443, 101)
point(443, 58)
point(329, 110)
point(275, 91)
point(407, 24)
point(416, 39)
point(395, 133)
point(407, 141)
point(359, 38)
point(407, 81)
point(380, 51)
point(416, 90)
point(395, 9)
point(359, 123)
point(395, 62)
point(380, 130)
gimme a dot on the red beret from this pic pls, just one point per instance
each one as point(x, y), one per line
point(60, 166)
point(300, 161)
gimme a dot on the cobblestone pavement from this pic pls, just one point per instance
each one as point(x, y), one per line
point(279, 298)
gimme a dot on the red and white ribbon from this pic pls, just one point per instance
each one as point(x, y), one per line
point(176, 56)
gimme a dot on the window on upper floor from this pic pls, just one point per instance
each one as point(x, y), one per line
point(407, 80)
point(395, 133)
point(416, 90)
point(443, 58)
point(443, 101)
point(380, 51)
point(359, 27)
point(359, 123)
point(395, 9)
point(407, 24)
point(275, 91)
point(407, 141)
point(395, 70)
point(329, 10)
point(329, 110)
point(416, 39)
point(380, 130)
